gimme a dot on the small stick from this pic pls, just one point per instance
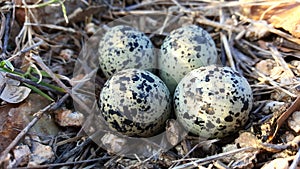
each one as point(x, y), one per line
point(7, 32)
point(218, 25)
point(27, 49)
point(192, 164)
point(67, 163)
point(142, 4)
point(294, 107)
point(227, 50)
point(140, 12)
point(295, 161)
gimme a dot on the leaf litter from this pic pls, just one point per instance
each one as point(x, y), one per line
point(254, 37)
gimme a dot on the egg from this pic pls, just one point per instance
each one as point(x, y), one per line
point(124, 47)
point(135, 103)
point(184, 50)
point(213, 102)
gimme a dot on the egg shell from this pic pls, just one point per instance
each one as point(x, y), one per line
point(135, 103)
point(184, 50)
point(124, 47)
point(213, 102)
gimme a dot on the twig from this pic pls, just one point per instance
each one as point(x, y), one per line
point(27, 49)
point(184, 9)
point(49, 26)
point(213, 157)
point(227, 50)
point(6, 33)
point(295, 161)
point(140, 12)
point(142, 4)
point(67, 163)
point(228, 28)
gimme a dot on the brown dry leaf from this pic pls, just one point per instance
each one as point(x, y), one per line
point(14, 119)
point(280, 15)
point(9, 121)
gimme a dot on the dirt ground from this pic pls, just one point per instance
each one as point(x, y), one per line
point(50, 83)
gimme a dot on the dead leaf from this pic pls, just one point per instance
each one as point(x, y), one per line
point(14, 118)
point(280, 15)
point(9, 122)
point(12, 92)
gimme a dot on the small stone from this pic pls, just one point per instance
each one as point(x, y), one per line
point(113, 143)
point(279, 163)
point(68, 118)
point(21, 154)
point(294, 121)
point(40, 154)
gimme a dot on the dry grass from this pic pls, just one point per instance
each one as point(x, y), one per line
point(242, 44)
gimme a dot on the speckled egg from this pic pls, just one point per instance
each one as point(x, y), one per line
point(213, 102)
point(135, 103)
point(124, 47)
point(185, 49)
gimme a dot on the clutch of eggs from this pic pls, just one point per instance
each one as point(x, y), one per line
point(213, 102)
point(135, 102)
